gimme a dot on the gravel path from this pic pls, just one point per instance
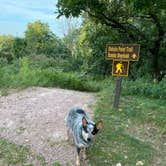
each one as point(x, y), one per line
point(35, 117)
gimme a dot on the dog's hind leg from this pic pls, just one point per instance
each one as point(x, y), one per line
point(78, 157)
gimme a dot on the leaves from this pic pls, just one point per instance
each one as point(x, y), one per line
point(134, 21)
point(41, 40)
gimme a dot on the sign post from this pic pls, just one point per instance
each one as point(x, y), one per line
point(117, 92)
point(121, 54)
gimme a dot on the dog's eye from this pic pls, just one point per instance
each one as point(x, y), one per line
point(85, 129)
point(93, 132)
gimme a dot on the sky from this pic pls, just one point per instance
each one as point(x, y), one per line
point(16, 14)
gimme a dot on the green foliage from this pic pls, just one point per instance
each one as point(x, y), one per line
point(25, 75)
point(42, 61)
point(55, 164)
point(71, 39)
point(19, 48)
point(88, 48)
point(5, 78)
point(13, 154)
point(144, 87)
point(40, 40)
point(144, 5)
point(11, 48)
point(35, 36)
point(92, 41)
point(6, 43)
point(135, 21)
point(3, 62)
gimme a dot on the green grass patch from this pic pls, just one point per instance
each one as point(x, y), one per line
point(136, 132)
point(12, 154)
point(145, 87)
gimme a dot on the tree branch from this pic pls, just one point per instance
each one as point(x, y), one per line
point(109, 21)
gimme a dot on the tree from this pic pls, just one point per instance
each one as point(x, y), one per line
point(139, 21)
point(6, 43)
point(93, 40)
point(18, 47)
point(71, 39)
point(40, 40)
point(36, 36)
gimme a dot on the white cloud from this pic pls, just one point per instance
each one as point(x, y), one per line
point(21, 12)
point(31, 9)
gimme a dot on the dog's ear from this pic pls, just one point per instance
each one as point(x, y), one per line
point(99, 124)
point(84, 121)
point(97, 127)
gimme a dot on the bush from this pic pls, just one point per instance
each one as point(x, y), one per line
point(41, 61)
point(145, 87)
point(5, 78)
point(3, 62)
point(22, 74)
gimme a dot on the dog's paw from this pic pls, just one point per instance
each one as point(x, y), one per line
point(77, 163)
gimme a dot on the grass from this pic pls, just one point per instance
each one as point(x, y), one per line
point(135, 133)
point(12, 154)
point(145, 87)
point(3, 92)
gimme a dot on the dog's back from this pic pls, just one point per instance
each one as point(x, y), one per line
point(74, 122)
point(75, 117)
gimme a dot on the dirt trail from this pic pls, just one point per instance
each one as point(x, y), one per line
point(35, 117)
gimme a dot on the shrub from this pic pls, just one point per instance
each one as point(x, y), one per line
point(22, 74)
point(145, 87)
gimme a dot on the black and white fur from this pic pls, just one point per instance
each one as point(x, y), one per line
point(83, 129)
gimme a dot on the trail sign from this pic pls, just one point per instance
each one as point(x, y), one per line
point(120, 68)
point(121, 54)
point(128, 52)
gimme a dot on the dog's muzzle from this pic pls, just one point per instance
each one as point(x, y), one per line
point(89, 139)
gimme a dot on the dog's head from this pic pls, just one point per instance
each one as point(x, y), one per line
point(90, 129)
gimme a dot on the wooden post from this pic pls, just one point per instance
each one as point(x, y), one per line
point(117, 92)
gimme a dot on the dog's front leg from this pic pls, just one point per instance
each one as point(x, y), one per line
point(84, 153)
point(68, 134)
point(78, 157)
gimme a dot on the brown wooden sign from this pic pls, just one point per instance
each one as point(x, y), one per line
point(128, 52)
point(121, 54)
point(120, 68)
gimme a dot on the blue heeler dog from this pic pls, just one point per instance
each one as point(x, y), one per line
point(83, 130)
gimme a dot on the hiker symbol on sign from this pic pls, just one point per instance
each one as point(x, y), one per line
point(120, 68)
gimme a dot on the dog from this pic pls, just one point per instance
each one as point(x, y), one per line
point(83, 130)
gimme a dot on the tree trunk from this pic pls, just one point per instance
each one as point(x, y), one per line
point(155, 66)
point(156, 47)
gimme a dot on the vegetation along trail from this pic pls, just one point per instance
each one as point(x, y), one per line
point(35, 117)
